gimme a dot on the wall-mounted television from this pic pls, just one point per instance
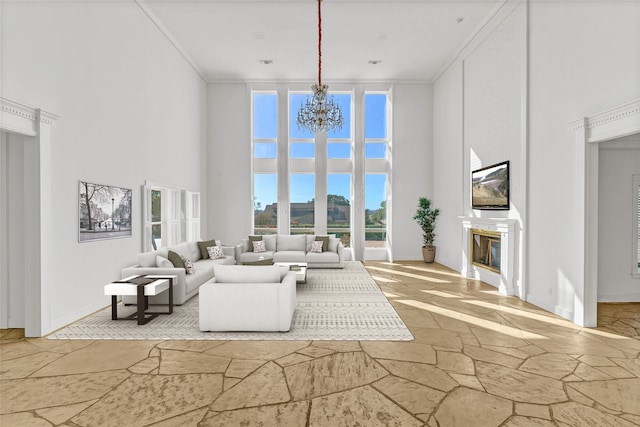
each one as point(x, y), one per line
point(490, 187)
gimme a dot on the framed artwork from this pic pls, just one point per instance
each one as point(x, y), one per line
point(104, 212)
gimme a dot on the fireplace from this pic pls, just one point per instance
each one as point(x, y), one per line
point(490, 252)
point(485, 249)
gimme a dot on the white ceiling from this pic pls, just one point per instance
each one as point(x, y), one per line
point(414, 40)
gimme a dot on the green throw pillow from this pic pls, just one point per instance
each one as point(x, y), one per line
point(325, 242)
point(203, 248)
point(175, 259)
point(253, 239)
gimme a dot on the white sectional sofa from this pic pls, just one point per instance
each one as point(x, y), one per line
point(293, 248)
point(187, 285)
point(248, 298)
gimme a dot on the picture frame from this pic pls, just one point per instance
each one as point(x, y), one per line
point(104, 212)
point(490, 187)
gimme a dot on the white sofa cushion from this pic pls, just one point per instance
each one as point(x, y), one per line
point(323, 257)
point(188, 250)
point(270, 240)
point(289, 256)
point(333, 244)
point(310, 239)
point(292, 242)
point(246, 274)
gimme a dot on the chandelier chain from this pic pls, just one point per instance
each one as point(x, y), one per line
point(319, 43)
point(320, 113)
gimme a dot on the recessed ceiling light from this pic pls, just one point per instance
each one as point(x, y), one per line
point(258, 35)
point(266, 61)
point(459, 20)
point(375, 61)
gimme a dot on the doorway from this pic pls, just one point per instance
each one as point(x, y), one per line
point(25, 214)
point(589, 132)
point(12, 214)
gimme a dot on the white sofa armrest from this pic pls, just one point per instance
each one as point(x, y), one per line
point(241, 248)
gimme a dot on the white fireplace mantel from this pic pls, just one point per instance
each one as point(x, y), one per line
point(504, 280)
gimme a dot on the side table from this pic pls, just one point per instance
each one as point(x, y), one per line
point(142, 286)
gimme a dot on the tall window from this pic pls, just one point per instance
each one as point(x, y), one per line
point(376, 151)
point(156, 219)
point(321, 179)
point(265, 203)
point(375, 200)
point(339, 206)
point(171, 216)
point(302, 186)
point(265, 155)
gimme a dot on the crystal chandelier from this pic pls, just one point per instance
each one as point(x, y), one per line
point(320, 113)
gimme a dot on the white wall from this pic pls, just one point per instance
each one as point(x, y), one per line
point(494, 105)
point(478, 121)
point(229, 162)
point(131, 110)
point(619, 160)
point(448, 176)
point(412, 168)
point(584, 58)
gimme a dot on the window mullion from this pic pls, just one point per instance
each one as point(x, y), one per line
point(283, 161)
point(321, 184)
point(357, 227)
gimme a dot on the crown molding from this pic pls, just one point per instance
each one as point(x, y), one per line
point(165, 31)
point(20, 118)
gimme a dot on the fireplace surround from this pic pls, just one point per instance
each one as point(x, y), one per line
point(489, 251)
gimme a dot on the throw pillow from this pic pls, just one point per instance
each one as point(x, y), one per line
point(162, 262)
point(188, 265)
point(259, 246)
point(176, 259)
point(204, 248)
point(253, 239)
point(316, 246)
point(324, 240)
point(215, 252)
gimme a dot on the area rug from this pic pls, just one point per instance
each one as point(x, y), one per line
point(334, 304)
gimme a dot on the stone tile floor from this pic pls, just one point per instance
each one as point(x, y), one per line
point(478, 359)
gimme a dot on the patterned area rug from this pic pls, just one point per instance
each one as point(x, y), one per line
point(334, 304)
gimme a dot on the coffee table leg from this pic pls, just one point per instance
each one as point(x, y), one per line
point(170, 295)
point(141, 305)
point(114, 307)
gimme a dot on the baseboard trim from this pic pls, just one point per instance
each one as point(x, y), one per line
point(635, 297)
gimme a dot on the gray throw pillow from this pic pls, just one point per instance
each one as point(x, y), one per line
point(253, 239)
point(204, 254)
point(175, 259)
point(325, 242)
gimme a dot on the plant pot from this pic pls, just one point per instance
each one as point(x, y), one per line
point(429, 253)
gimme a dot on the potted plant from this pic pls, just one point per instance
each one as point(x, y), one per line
point(426, 219)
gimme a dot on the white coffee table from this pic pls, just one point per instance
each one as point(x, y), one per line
point(146, 286)
point(301, 271)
